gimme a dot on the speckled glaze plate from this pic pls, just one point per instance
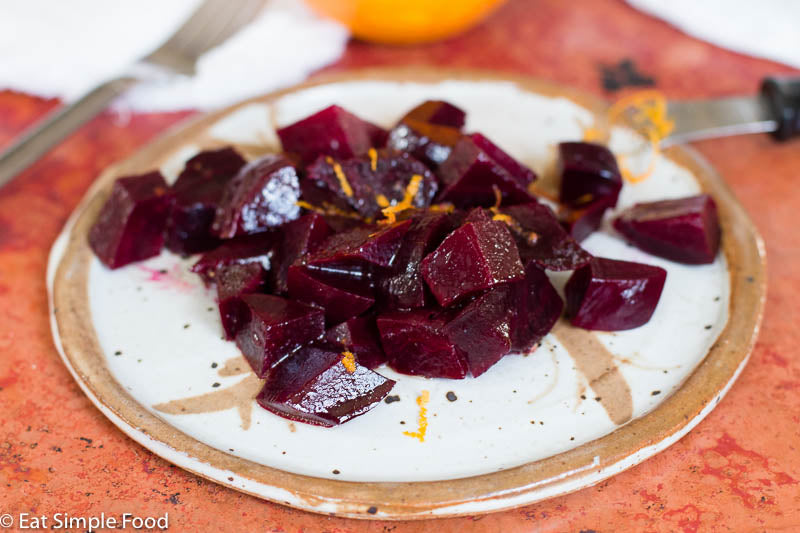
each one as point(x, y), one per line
point(144, 342)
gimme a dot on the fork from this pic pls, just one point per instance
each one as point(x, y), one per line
point(211, 24)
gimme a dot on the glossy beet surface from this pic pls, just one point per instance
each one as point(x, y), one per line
point(315, 386)
point(430, 143)
point(351, 253)
point(588, 172)
point(131, 224)
point(274, 328)
point(340, 297)
point(583, 221)
point(332, 131)
point(613, 295)
point(262, 195)
point(299, 238)
point(437, 112)
point(684, 230)
point(535, 307)
point(233, 282)
point(361, 337)
point(259, 248)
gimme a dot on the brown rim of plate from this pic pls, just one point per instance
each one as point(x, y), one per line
point(742, 246)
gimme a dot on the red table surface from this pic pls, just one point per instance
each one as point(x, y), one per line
point(739, 470)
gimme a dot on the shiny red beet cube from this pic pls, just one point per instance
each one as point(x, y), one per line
point(437, 112)
point(130, 226)
point(340, 297)
point(259, 249)
point(233, 282)
point(588, 172)
point(684, 230)
point(428, 142)
point(274, 328)
point(298, 238)
point(583, 221)
point(359, 336)
point(611, 295)
point(210, 165)
point(535, 308)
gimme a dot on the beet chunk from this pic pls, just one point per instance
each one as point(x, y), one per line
point(361, 337)
point(314, 386)
point(275, 328)
point(613, 295)
point(478, 255)
point(131, 224)
point(535, 307)
point(588, 172)
point(210, 165)
point(437, 112)
point(684, 230)
point(263, 194)
point(584, 221)
point(382, 174)
point(476, 168)
point(300, 237)
point(415, 343)
point(341, 298)
point(542, 239)
point(233, 282)
point(259, 249)
point(332, 131)
point(430, 143)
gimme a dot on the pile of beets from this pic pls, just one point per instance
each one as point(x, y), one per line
point(422, 247)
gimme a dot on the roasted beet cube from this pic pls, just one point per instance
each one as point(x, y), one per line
point(211, 165)
point(542, 239)
point(588, 172)
point(583, 221)
point(437, 112)
point(340, 297)
point(317, 387)
point(684, 230)
point(273, 328)
point(361, 181)
point(332, 131)
point(259, 249)
point(299, 238)
point(361, 337)
point(430, 143)
point(263, 194)
point(233, 282)
point(415, 343)
point(535, 307)
point(613, 295)
point(477, 168)
point(131, 224)
point(478, 255)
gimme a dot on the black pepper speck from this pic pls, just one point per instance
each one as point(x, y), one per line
point(451, 396)
point(215, 384)
point(372, 510)
point(214, 365)
point(391, 399)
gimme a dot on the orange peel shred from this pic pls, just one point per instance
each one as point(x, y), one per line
point(422, 418)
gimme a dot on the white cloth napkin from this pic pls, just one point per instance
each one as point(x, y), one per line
point(761, 28)
point(61, 48)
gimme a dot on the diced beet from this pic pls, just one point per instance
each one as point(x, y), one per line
point(332, 131)
point(613, 295)
point(233, 282)
point(341, 298)
point(263, 194)
point(478, 255)
point(481, 330)
point(476, 168)
point(299, 238)
point(387, 175)
point(131, 224)
point(274, 328)
point(415, 343)
point(588, 172)
point(584, 221)
point(361, 337)
point(259, 248)
point(210, 165)
point(430, 143)
point(535, 307)
point(403, 287)
point(684, 230)
point(437, 112)
point(314, 386)
point(542, 239)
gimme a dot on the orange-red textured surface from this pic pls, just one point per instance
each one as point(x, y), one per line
point(739, 470)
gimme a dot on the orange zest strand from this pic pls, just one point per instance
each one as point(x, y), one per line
point(327, 209)
point(422, 419)
point(343, 183)
point(411, 191)
point(373, 159)
point(381, 200)
point(445, 207)
point(349, 362)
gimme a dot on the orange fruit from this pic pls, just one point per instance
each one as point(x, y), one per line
point(405, 21)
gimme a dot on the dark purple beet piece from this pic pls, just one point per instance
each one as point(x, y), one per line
point(684, 230)
point(131, 224)
point(314, 386)
point(584, 221)
point(415, 343)
point(588, 172)
point(437, 112)
point(476, 168)
point(263, 194)
point(233, 282)
point(274, 328)
point(430, 143)
point(542, 239)
point(361, 337)
point(387, 175)
point(478, 255)
point(340, 297)
point(299, 238)
point(535, 307)
point(613, 295)
point(211, 165)
point(259, 249)
point(332, 131)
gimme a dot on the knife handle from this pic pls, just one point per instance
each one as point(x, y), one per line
point(783, 97)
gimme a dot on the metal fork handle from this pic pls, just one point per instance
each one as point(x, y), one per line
point(48, 132)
